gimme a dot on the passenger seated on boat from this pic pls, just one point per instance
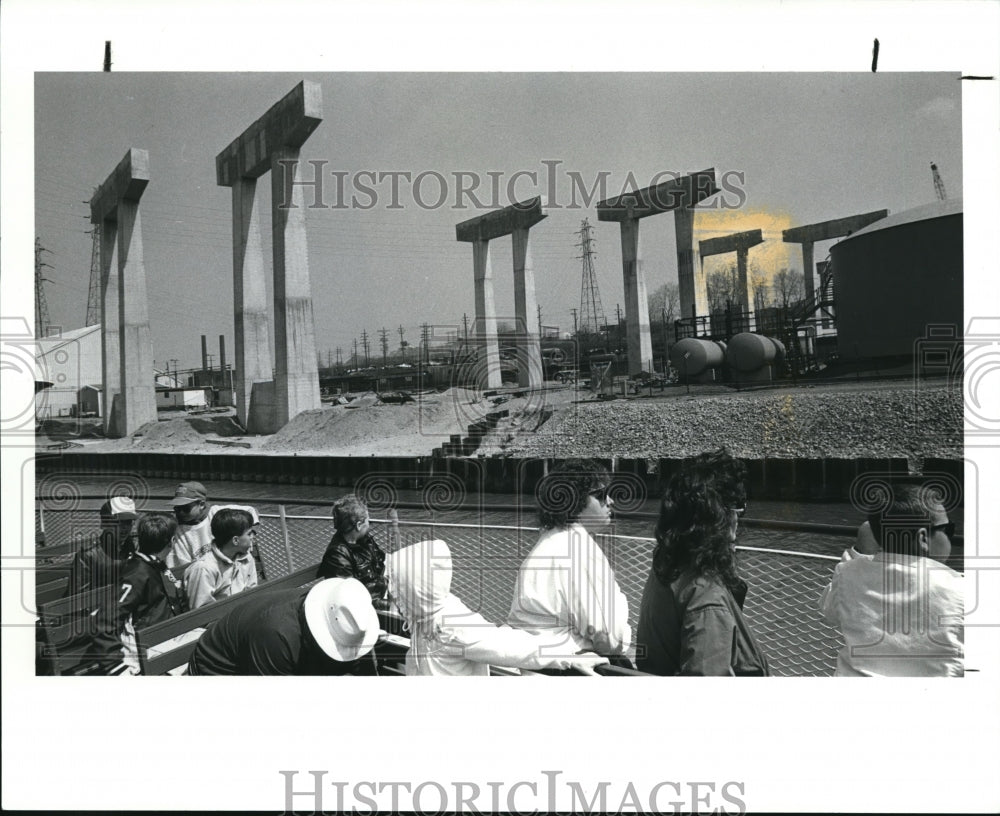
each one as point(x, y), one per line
point(100, 559)
point(328, 629)
point(194, 525)
point(566, 586)
point(353, 551)
point(691, 617)
point(447, 638)
point(900, 611)
point(149, 593)
point(228, 567)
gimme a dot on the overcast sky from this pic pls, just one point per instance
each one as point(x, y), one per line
point(807, 146)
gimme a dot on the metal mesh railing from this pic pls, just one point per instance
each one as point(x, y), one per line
point(781, 605)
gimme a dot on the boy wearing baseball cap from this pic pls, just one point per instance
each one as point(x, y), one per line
point(194, 525)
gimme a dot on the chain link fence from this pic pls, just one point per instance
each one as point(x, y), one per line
point(781, 605)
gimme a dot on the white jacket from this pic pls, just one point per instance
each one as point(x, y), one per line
point(566, 588)
point(446, 637)
point(901, 616)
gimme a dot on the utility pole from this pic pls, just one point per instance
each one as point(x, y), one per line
point(41, 306)
point(365, 345)
point(383, 335)
point(340, 359)
point(618, 312)
point(663, 312)
point(539, 321)
point(355, 352)
point(402, 343)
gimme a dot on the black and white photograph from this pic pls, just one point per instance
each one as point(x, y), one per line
point(673, 371)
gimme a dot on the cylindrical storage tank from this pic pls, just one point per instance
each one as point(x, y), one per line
point(701, 355)
point(896, 277)
point(751, 352)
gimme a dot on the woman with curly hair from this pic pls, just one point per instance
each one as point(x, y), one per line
point(691, 618)
point(566, 585)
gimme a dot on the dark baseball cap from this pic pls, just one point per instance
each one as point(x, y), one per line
point(188, 492)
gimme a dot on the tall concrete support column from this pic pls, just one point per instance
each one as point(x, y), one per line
point(136, 360)
point(678, 195)
point(807, 269)
point(742, 289)
point(515, 221)
point(296, 375)
point(126, 348)
point(110, 334)
point(253, 351)
point(636, 300)
point(528, 339)
point(691, 290)
point(266, 401)
point(825, 231)
point(485, 324)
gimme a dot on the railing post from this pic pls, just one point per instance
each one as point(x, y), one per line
point(284, 536)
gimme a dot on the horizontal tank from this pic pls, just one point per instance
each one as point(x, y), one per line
point(701, 355)
point(751, 352)
point(896, 277)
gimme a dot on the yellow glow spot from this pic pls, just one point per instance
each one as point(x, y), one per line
point(763, 260)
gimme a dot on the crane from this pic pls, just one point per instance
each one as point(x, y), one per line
point(938, 184)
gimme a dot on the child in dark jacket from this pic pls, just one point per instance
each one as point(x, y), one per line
point(149, 592)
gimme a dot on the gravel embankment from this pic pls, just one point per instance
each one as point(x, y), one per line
point(845, 422)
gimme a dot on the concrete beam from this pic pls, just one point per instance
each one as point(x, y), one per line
point(125, 183)
point(730, 243)
point(827, 230)
point(674, 194)
point(287, 124)
point(496, 224)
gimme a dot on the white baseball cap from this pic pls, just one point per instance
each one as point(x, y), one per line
point(121, 507)
point(341, 618)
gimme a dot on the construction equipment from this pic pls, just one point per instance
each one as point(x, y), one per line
point(938, 184)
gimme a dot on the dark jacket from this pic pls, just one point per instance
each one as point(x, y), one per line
point(93, 567)
point(363, 560)
point(266, 635)
point(147, 594)
point(695, 626)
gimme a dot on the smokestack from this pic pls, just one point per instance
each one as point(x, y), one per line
point(222, 353)
point(204, 353)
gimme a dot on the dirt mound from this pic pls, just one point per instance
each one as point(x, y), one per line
point(184, 432)
point(368, 427)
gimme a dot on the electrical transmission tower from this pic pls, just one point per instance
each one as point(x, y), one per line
point(41, 306)
point(94, 292)
point(591, 310)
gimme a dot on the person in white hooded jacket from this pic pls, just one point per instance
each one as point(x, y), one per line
point(448, 638)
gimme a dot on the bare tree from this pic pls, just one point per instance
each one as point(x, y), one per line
point(721, 287)
point(761, 291)
point(788, 287)
point(667, 299)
